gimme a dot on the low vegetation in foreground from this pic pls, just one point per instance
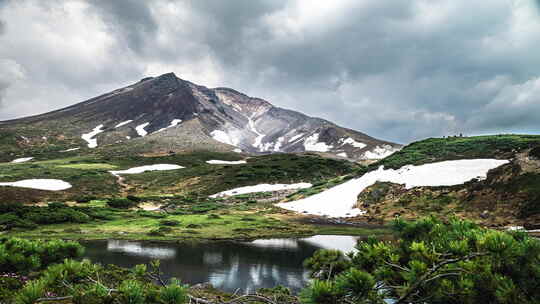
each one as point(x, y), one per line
point(430, 262)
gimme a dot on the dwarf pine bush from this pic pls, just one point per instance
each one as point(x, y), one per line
point(431, 262)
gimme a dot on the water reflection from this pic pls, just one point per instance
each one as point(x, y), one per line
point(226, 265)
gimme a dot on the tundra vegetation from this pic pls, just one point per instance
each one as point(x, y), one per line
point(428, 262)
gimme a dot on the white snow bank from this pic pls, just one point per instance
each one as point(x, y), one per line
point(297, 136)
point(261, 188)
point(380, 152)
point(339, 201)
point(225, 162)
point(69, 150)
point(312, 143)
point(21, 160)
point(123, 123)
point(40, 184)
point(140, 129)
point(342, 154)
point(136, 170)
point(352, 142)
point(224, 137)
point(89, 137)
point(173, 123)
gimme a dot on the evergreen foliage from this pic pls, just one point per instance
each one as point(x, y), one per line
point(431, 262)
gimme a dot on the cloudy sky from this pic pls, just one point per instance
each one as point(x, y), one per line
point(395, 69)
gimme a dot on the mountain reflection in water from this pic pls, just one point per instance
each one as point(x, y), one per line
point(226, 265)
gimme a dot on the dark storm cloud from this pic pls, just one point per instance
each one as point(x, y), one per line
point(399, 70)
point(130, 20)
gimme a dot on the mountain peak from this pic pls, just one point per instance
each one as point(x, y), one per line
point(167, 113)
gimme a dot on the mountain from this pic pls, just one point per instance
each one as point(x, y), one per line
point(165, 113)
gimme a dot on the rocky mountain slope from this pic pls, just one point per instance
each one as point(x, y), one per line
point(167, 113)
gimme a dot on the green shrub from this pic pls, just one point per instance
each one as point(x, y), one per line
point(121, 203)
point(134, 198)
point(31, 292)
point(174, 293)
point(132, 292)
point(169, 223)
point(431, 262)
point(19, 255)
point(85, 199)
point(151, 214)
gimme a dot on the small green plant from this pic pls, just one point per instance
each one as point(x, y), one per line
point(121, 203)
point(174, 293)
point(31, 292)
point(132, 292)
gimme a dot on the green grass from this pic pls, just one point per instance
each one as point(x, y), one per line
point(205, 179)
point(94, 166)
point(453, 148)
point(247, 221)
point(90, 177)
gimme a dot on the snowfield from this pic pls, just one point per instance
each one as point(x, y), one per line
point(40, 184)
point(89, 137)
point(69, 150)
point(352, 142)
point(312, 143)
point(141, 169)
point(339, 201)
point(123, 123)
point(21, 160)
point(140, 129)
point(173, 123)
point(262, 188)
point(224, 137)
point(225, 162)
point(380, 152)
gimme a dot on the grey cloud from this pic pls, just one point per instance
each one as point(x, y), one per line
point(399, 70)
point(130, 20)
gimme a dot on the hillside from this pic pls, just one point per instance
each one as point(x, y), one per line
point(168, 114)
point(508, 196)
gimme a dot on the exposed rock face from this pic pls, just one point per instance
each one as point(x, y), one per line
point(168, 113)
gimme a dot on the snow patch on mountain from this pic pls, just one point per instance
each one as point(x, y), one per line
point(173, 123)
point(279, 143)
point(224, 137)
point(262, 188)
point(260, 136)
point(312, 143)
point(352, 142)
point(140, 129)
point(342, 154)
point(21, 160)
point(40, 184)
point(141, 169)
point(380, 152)
point(71, 149)
point(340, 200)
point(225, 162)
point(297, 136)
point(89, 137)
point(123, 123)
